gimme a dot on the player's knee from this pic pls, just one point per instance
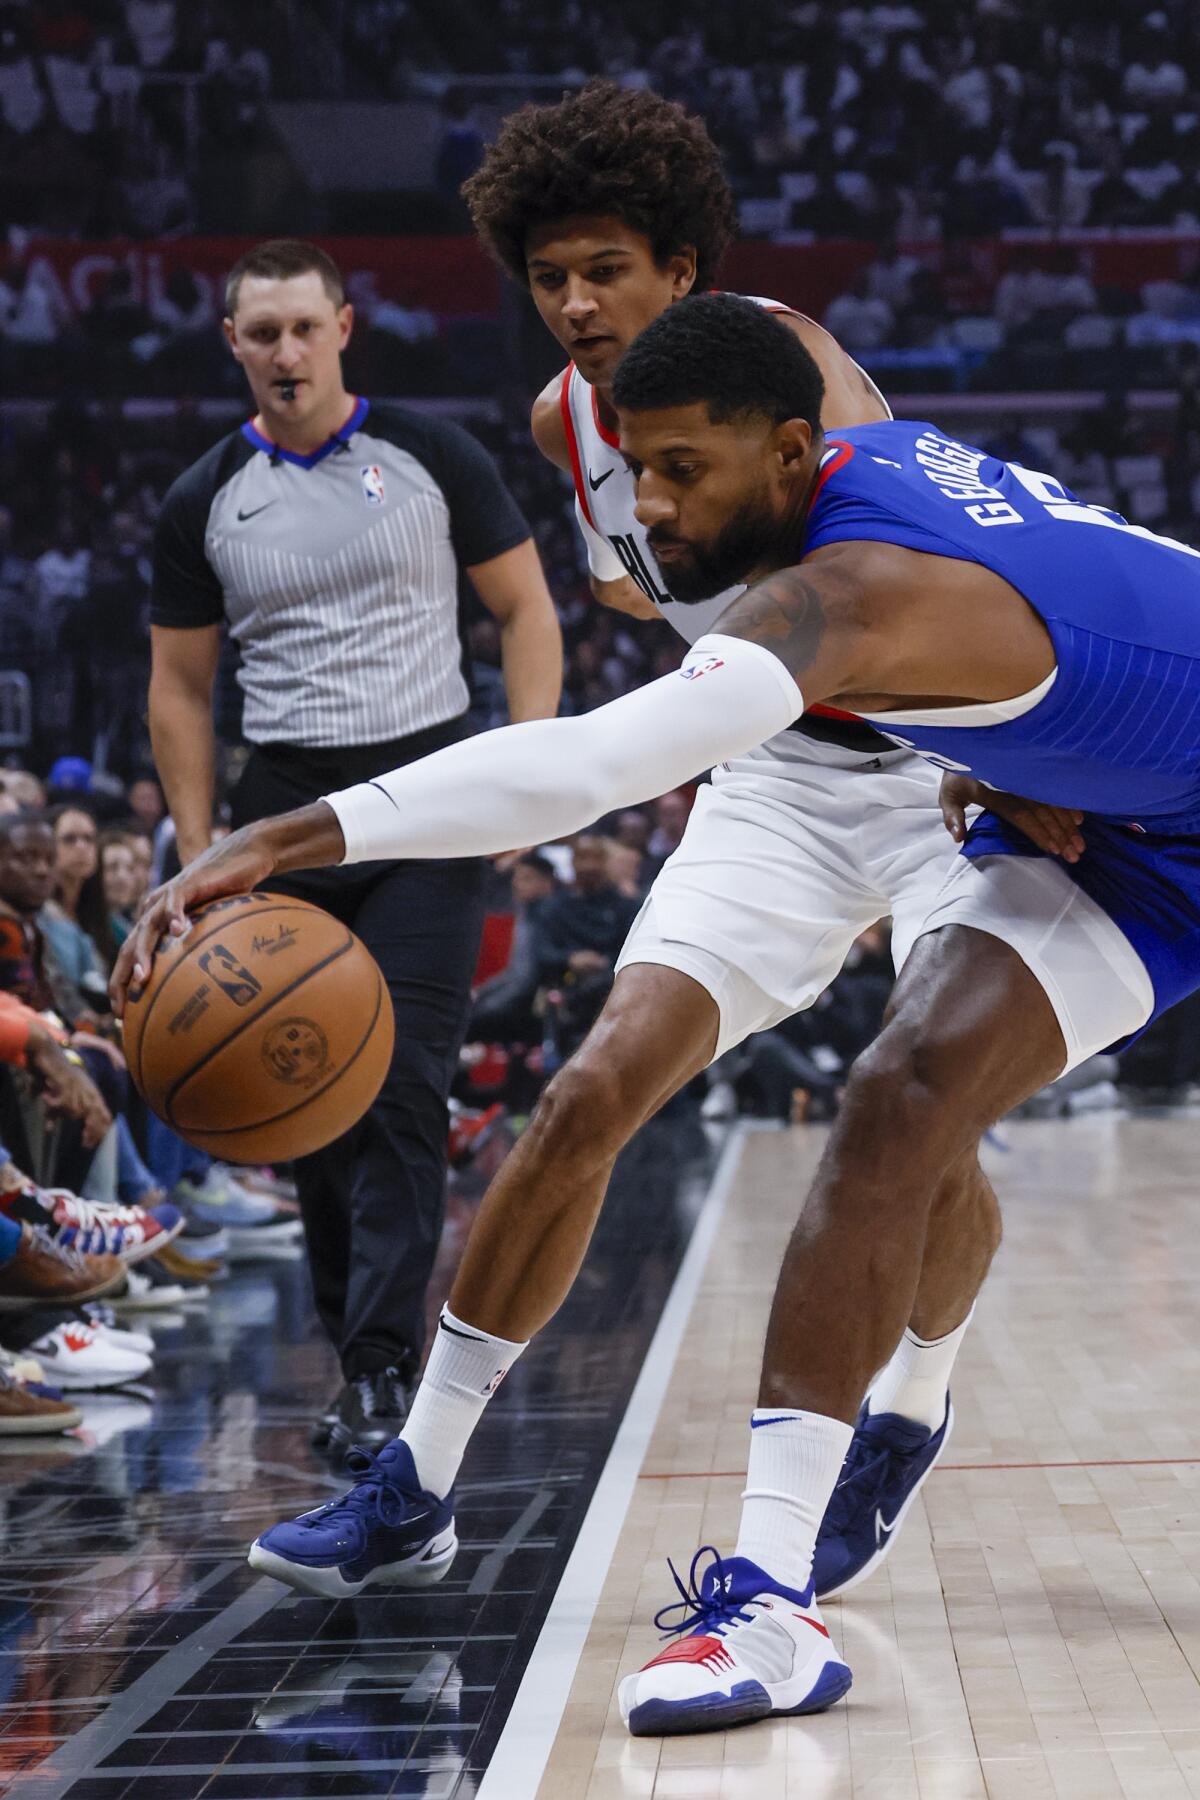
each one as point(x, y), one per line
point(587, 1109)
point(902, 1091)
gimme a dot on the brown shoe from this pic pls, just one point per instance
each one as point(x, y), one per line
point(23, 1414)
point(42, 1271)
point(188, 1269)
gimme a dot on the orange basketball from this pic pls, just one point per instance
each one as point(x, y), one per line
point(263, 1033)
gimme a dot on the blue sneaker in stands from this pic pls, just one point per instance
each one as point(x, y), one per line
point(750, 1649)
point(888, 1460)
point(387, 1529)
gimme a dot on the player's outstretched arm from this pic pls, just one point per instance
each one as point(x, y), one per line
point(524, 784)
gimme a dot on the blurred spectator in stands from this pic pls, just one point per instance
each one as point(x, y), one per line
point(580, 929)
point(461, 149)
point(1012, 443)
point(146, 802)
point(1155, 81)
point(17, 579)
point(858, 319)
point(578, 934)
point(121, 882)
point(75, 918)
point(489, 702)
point(115, 318)
point(890, 276)
point(25, 787)
point(151, 24)
point(1114, 202)
point(671, 813)
point(32, 312)
point(1058, 196)
point(625, 870)
point(61, 576)
point(152, 197)
point(503, 1007)
point(923, 320)
point(981, 191)
point(1051, 288)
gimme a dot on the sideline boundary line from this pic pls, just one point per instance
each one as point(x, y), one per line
point(519, 1760)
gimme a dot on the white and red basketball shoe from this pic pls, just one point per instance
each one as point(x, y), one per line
point(750, 1649)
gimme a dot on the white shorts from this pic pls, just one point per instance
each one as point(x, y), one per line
point(796, 849)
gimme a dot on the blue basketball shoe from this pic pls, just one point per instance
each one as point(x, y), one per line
point(388, 1528)
point(750, 1649)
point(888, 1460)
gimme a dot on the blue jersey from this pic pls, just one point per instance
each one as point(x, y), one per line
point(1118, 732)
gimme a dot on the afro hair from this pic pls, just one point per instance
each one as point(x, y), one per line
point(605, 150)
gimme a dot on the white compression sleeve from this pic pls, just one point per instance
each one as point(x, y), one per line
point(527, 784)
point(603, 560)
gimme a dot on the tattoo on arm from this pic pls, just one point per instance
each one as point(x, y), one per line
point(784, 614)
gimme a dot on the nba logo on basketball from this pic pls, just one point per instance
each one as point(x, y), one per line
point(372, 480)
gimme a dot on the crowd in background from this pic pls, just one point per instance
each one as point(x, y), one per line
point(914, 116)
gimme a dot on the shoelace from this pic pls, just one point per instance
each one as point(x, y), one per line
point(88, 1213)
point(714, 1612)
point(49, 1246)
point(391, 1401)
point(863, 1486)
point(375, 1492)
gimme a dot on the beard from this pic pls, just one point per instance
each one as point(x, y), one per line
point(748, 540)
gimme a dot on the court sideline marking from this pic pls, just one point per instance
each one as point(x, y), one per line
point(519, 1759)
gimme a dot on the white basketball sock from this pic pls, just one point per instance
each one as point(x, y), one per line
point(915, 1382)
point(795, 1460)
point(465, 1367)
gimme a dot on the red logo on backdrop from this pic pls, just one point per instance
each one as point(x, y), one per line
point(693, 671)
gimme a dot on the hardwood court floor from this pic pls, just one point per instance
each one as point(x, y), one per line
point(1036, 1632)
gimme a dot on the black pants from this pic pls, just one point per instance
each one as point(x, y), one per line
point(373, 1201)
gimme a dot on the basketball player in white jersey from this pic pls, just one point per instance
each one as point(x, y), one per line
point(611, 206)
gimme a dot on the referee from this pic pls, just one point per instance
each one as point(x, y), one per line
point(329, 533)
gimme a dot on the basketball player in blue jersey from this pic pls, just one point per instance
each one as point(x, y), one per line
point(1019, 637)
point(610, 207)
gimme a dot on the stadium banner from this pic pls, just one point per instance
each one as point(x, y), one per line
point(454, 277)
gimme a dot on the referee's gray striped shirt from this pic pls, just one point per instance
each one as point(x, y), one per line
point(338, 572)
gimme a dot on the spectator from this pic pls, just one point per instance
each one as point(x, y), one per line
point(859, 320)
point(75, 919)
point(503, 1007)
point(1058, 197)
point(670, 820)
point(1114, 202)
point(1155, 80)
point(120, 882)
point(61, 576)
point(579, 930)
point(146, 802)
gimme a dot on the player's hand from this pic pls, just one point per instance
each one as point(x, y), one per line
point(1054, 829)
point(235, 865)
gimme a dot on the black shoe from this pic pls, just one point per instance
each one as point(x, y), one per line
point(324, 1423)
point(371, 1410)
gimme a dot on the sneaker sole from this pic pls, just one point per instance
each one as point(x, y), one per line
point(422, 1569)
point(745, 1704)
point(44, 1426)
point(870, 1566)
point(91, 1384)
point(159, 1299)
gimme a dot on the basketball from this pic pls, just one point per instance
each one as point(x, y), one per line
point(263, 1033)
